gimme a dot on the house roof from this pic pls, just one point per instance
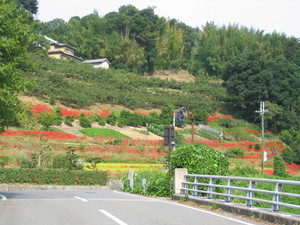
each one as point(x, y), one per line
point(50, 39)
point(62, 45)
point(102, 60)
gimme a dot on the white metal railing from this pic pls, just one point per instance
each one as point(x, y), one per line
point(234, 188)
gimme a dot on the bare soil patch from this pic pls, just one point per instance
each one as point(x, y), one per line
point(181, 76)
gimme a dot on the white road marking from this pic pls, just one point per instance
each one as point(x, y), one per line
point(82, 199)
point(3, 197)
point(120, 222)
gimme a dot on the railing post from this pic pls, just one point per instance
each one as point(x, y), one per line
point(229, 190)
point(195, 186)
point(276, 197)
point(250, 194)
point(179, 178)
point(210, 188)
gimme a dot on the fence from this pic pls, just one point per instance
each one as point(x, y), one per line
point(248, 190)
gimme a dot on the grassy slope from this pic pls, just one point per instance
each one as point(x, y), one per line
point(81, 86)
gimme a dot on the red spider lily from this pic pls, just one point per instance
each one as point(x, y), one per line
point(252, 156)
point(76, 179)
point(138, 111)
point(292, 166)
point(253, 131)
point(39, 108)
point(38, 134)
point(104, 113)
point(215, 118)
point(269, 172)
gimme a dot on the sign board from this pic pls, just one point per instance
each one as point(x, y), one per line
point(169, 136)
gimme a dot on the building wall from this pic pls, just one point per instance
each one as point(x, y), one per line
point(103, 65)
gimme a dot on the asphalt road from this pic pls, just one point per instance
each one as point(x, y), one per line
point(103, 207)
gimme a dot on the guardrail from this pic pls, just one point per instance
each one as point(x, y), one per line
point(228, 188)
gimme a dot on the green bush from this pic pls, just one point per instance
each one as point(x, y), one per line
point(30, 163)
point(111, 119)
point(101, 121)
point(84, 121)
point(234, 153)
point(52, 176)
point(93, 161)
point(199, 159)
point(70, 161)
point(69, 120)
point(227, 123)
point(157, 183)
point(279, 167)
point(288, 154)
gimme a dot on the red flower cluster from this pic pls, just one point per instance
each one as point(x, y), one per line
point(253, 131)
point(215, 118)
point(292, 166)
point(39, 108)
point(38, 134)
point(246, 145)
point(138, 111)
point(269, 172)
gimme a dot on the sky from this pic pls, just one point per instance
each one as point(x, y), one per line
point(281, 16)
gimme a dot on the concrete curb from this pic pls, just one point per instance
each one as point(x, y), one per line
point(276, 218)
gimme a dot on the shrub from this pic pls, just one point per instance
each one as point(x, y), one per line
point(111, 119)
point(69, 120)
point(199, 159)
point(234, 153)
point(101, 121)
point(30, 163)
point(69, 161)
point(52, 100)
point(228, 123)
point(53, 176)
point(157, 183)
point(288, 154)
point(93, 162)
point(84, 121)
point(248, 171)
point(279, 167)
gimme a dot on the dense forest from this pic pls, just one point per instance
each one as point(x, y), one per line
point(252, 66)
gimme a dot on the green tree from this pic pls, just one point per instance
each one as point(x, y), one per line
point(252, 78)
point(279, 167)
point(15, 38)
point(30, 5)
point(288, 154)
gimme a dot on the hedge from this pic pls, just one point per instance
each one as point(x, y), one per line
point(52, 176)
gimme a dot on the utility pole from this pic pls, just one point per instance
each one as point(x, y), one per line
point(262, 111)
